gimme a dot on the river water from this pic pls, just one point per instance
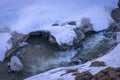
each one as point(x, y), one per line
point(38, 55)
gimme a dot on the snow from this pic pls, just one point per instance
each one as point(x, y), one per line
point(25, 16)
point(111, 60)
point(4, 37)
point(63, 34)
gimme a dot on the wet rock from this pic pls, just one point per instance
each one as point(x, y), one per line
point(80, 34)
point(111, 35)
point(75, 62)
point(116, 27)
point(108, 74)
point(84, 58)
point(3, 68)
point(65, 47)
point(83, 76)
point(15, 64)
point(72, 23)
point(97, 64)
point(116, 14)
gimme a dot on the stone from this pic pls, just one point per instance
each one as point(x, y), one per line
point(116, 27)
point(83, 76)
point(116, 14)
point(79, 33)
point(75, 62)
point(52, 39)
point(15, 64)
point(65, 47)
point(97, 64)
point(56, 24)
point(72, 23)
point(108, 74)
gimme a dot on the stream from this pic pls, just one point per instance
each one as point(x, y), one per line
point(38, 55)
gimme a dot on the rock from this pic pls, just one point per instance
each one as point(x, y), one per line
point(116, 27)
point(80, 34)
point(86, 25)
point(97, 64)
point(108, 74)
point(52, 39)
point(83, 76)
point(72, 23)
point(15, 64)
point(75, 62)
point(116, 14)
point(65, 47)
point(3, 68)
point(56, 24)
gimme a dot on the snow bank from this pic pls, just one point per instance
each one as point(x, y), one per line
point(25, 16)
point(33, 17)
point(111, 60)
point(37, 15)
point(4, 46)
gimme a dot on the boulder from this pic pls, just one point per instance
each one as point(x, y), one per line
point(83, 76)
point(108, 74)
point(97, 64)
point(15, 64)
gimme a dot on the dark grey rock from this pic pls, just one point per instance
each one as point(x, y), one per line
point(116, 14)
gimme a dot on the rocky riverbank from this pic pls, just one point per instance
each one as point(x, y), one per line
point(45, 49)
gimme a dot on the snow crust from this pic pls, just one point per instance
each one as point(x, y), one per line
point(111, 60)
point(4, 37)
point(25, 16)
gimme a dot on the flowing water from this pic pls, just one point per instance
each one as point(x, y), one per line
point(38, 55)
point(94, 46)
